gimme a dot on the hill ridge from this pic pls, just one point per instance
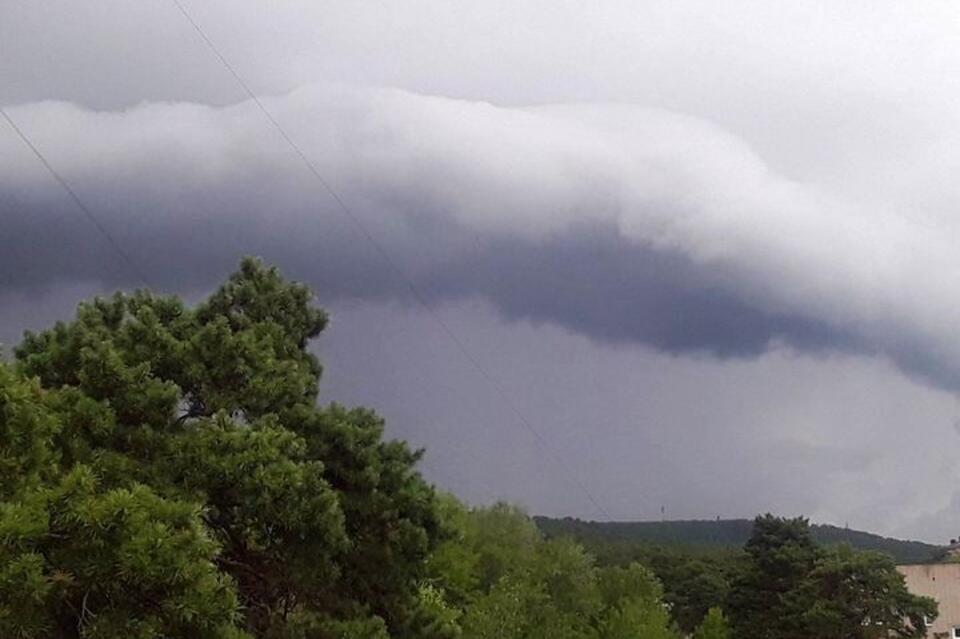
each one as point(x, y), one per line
point(727, 533)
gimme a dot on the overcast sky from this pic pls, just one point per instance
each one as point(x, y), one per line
point(698, 255)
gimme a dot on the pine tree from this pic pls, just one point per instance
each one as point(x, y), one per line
point(166, 471)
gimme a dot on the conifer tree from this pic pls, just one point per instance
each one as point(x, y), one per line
point(166, 471)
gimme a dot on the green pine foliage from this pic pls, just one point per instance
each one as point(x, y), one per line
point(166, 472)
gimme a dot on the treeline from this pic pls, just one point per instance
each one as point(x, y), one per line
point(166, 472)
point(499, 577)
point(781, 585)
point(727, 534)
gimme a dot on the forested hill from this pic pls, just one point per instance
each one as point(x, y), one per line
point(729, 533)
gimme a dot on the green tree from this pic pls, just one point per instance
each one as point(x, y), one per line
point(507, 610)
point(524, 586)
point(505, 539)
point(637, 619)
point(508, 582)
point(861, 595)
point(792, 587)
point(780, 555)
point(692, 587)
point(633, 581)
point(713, 626)
point(167, 468)
point(695, 576)
point(633, 604)
point(76, 555)
point(453, 567)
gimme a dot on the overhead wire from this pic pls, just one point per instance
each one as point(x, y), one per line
point(385, 256)
point(381, 250)
point(72, 194)
point(415, 292)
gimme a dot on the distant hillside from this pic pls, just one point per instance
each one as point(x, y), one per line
point(727, 533)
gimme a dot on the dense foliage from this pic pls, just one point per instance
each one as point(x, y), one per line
point(694, 578)
point(791, 587)
point(713, 626)
point(781, 584)
point(504, 580)
point(165, 471)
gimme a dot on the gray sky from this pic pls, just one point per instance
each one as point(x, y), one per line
point(707, 250)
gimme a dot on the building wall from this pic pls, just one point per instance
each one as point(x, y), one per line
point(942, 582)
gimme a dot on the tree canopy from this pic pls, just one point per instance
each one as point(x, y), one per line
point(506, 581)
point(790, 587)
point(167, 472)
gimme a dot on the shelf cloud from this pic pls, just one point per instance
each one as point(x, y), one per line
point(709, 252)
point(618, 222)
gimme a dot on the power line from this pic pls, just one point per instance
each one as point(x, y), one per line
point(96, 222)
point(91, 217)
point(385, 256)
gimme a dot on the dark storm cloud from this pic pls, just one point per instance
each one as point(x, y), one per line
point(837, 438)
point(623, 224)
point(784, 175)
point(594, 282)
point(589, 279)
point(46, 244)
